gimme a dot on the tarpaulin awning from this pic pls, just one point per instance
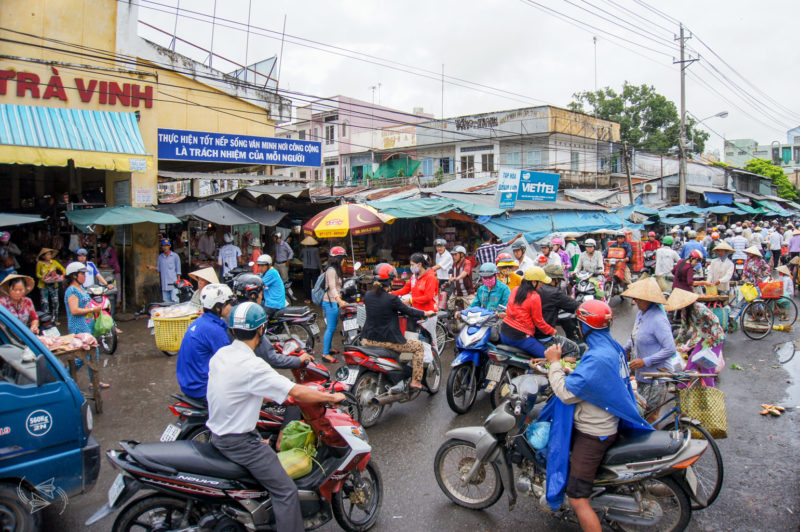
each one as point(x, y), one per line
point(219, 212)
point(121, 215)
point(532, 225)
point(713, 195)
point(724, 209)
point(793, 205)
point(218, 176)
point(392, 166)
point(681, 209)
point(50, 136)
point(585, 222)
point(421, 207)
point(772, 206)
point(9, 218)
point(669, 220)
point(748, 209)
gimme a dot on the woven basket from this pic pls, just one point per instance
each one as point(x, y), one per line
point(707, 405)
point(170, 331)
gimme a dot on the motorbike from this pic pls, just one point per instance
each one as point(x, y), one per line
point(193, 414)
point(354, 314)
point(585, 289)
point(649, 263)
point(468, 373)
point(644, 480)
point(197, 488)
point(379, 376)
point(295, 322)
point(230, 277)
point(616, 286)
point(738, 268)
point(100, 297)
point(47, 326)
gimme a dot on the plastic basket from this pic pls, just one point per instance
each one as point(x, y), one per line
point(771, 290)
point(616, 253)
point(749, 292)
point(170, 331)
point(706, 405)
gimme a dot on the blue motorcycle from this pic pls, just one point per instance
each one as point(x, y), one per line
point(470, 368)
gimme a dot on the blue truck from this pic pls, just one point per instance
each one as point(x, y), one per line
point(47, 452)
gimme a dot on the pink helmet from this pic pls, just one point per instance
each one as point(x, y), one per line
point(558, 241)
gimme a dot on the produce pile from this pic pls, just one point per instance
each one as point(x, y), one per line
point(69, 342)
point(181, 310)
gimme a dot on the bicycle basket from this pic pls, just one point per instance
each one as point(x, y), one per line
point(771, 290)
point(706, 405)
point(749, 292)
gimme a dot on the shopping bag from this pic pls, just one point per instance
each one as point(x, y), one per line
point(538, 434)
point(298, 435)
point(706, 405)
point(675, 363)
point(749, 292)
point(102, 324)
point(706, 358)
point(296, 462)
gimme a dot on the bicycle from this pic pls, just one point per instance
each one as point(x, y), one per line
point(755, 317)
point(709, 469)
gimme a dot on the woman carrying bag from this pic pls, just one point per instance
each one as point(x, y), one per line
point(332, 301)
point(80, 310)
point(700, 329)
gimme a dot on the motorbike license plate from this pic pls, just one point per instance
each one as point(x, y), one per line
point(691, 479)
point(351, 377)
point(494, 373)
point(170, 433)
point(588, 298)
point(116, 489)
point(350, 325)
point(314, 328)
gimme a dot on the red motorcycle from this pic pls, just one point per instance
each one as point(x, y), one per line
point(193, 414)
point(378, 376)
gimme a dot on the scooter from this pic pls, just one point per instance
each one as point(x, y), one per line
point(649, 263)
point(644, 480)
point(99, 295)
point(585, 289)
point(468, 373)
point(379, 376)
point(197, 488)
point(354, 314)
point(47, 326)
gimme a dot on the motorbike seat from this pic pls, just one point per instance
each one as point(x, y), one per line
point(192, 457)
point(291, 311)
point(383, 352)
point(189, 401)
point(644, 446)
point(515, 350)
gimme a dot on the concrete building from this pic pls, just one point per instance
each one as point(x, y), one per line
point(784, 154)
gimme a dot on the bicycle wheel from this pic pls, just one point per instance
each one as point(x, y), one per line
point(785, 310)
point(757, 319)
point(709, 469)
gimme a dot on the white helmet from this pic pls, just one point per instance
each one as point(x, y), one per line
point(460, 249)
point(228, 238)
point(75, 267)
point(264, 259)
point(590, 242)
point(215, 293)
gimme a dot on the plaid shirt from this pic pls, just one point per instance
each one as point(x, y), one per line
point(488, 252)
point(491, 299)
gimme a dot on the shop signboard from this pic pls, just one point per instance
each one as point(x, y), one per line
point(201, 146)
point(537, 186)
point(507, 184)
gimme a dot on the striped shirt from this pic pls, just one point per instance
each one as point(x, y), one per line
point(488, 252)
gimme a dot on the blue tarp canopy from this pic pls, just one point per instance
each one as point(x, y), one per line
point(585, 222)
point(669, 220)
point(772, 206)
point(724, 209)
point(719, 198)
point(537, 225)
point(681, 209)
point(418, 208)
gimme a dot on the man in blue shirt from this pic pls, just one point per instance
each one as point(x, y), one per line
point(205, 336)
point(692, 244)
point(169, 267)
point(274, 291)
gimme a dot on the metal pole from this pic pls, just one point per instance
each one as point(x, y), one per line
point(175, 29)
point(280, 59)
point(124, 271)
point(247, 45)
point(682, 140)
point(213, 27)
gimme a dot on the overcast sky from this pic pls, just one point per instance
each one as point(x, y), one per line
point(512, 46)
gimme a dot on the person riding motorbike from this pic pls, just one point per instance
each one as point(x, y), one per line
point(555, 300)
point(492, 293)
point(382, 329)
point(524, 315)
point(507, 267)
point(558, 249)
point(755, 269)
point(652, 242)
point(546, 252)
point(592, 404)
point(238, 381)
point(666, 259)
point(590, 261)
point(203, 338)
point(461, 279)
point(274, 290)
point(519, 248)
point(621, 243)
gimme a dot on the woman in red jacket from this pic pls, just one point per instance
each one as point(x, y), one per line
point(524, 315)
point(423, 285)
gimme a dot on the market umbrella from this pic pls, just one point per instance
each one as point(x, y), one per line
point(347, 219)
point(122, 215)
point(10, 218)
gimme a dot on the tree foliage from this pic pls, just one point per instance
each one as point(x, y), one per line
point(764, 167)
point(648, 121)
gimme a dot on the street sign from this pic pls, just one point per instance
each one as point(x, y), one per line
point(507, 184)
point(537, 186)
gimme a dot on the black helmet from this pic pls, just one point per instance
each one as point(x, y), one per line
point(247, 286)
point(519, 244)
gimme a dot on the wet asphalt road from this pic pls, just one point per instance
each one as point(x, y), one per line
point(762, 474)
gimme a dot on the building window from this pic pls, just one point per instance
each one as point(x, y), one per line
point(487, 162)
point(797, 154)
point(316, 133)
point(776, 155)
point(534, 159)
point(344, 129)
point(330, 172)
point(316, 175)
point(514, 158)
point(330, 132)
point(427, 166)
point(444, 164)
point(575, 160)
point(787, 155)
point(468, 165)
point(301, 134)
point(303, 174)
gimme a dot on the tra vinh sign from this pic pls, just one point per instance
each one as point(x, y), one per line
point(537, 186)
point(201, 146)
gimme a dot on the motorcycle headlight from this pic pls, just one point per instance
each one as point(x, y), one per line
point(342, 373)
point(360, 433)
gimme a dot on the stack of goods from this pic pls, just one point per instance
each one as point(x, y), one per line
point(180, 310)
point(637, 262)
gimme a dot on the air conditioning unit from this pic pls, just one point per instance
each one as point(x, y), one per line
point(650, 188)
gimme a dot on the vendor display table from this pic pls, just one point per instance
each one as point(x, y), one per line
point(70, 357)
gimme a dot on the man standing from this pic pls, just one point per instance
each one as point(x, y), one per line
point(519, 248)
point(169, 268)
point(666, 259)
point(238, 382)
point(283, 254)
point(775, 242)
point(206, 244)
point(691, 245)
point(444, 261)
point(487, 252)
point(230, 256)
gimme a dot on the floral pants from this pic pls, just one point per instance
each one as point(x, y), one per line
point(411, 346)
point(50, 292)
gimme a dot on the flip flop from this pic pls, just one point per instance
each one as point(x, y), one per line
point(103, 386)
point(329, 359)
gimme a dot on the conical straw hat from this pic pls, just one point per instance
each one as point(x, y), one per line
point(753, 250)
point(679, 299)
point(207, 274)
point(308, 241)
point(7, 282)
point(646, 290)
point(723, 245)
point(784, 270)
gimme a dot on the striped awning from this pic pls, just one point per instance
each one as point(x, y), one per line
point(49, 136)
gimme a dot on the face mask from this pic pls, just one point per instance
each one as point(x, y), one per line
point(415, 270)
point(489, 282)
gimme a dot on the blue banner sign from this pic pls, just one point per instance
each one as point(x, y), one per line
point(537, 186)
point(507, 184)
point(201, 146)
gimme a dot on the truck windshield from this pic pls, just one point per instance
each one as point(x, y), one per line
point(9, 337)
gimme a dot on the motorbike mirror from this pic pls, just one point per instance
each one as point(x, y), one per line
point(356, 266)
point(251, 263)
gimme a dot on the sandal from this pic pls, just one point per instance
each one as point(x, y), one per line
point(103, 386)
point(330, 359)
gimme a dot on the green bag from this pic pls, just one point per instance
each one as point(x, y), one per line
point(102, 324)
point(296, 462)
point(298, 435)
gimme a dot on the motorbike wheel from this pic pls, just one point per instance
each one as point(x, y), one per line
point(670, 497)
point(462, 388)
point(169, 353)
point(108, 341)
point(453, 461)
point(441, 336)
point(709, 469)
point(303, 334)
point(360, 494)
point(199, 434)
point(433, 374)
point(500, 391)
point(155, 512)
point(14, 514)
point(365, 388)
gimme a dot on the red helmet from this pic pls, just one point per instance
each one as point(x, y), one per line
point(504, 257)
point(384, 272)
point(651, 234)
point(337, 251)
point(715, 235)
point(595, 313)
point(695, 254)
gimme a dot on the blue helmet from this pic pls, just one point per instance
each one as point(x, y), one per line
point(487, 269)
point(247, 316)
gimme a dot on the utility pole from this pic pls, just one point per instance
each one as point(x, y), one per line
point(626, 160)
point(684, 63)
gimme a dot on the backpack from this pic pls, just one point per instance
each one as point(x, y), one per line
point(320, 287)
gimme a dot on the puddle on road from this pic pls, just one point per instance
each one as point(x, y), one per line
point(785, 351)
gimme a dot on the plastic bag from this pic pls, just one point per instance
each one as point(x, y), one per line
point(675, 363)
point(298, 435)
point(538, 434)
point(706, 358)
point(749, 292)
point(102, 324)
point(296, 462)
